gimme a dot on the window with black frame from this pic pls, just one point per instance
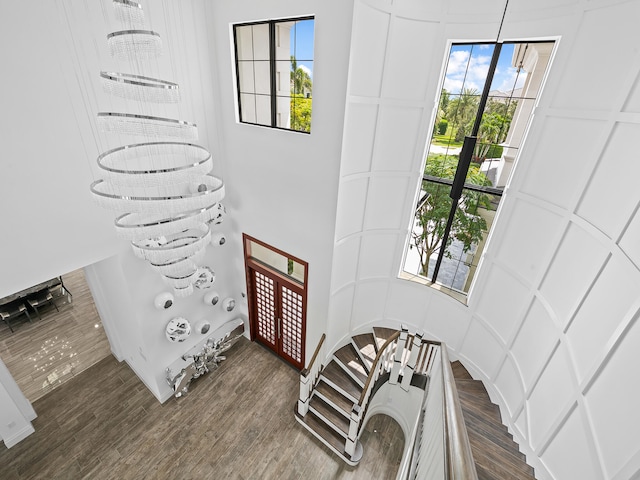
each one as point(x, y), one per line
point(274, 69)
point(485, 103)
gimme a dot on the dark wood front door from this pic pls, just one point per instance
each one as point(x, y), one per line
point(277, 310)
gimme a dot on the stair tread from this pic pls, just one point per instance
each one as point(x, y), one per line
point(500, 460)
point(459, 372)
point(366, 343)
point(488, 412)
point(491, 424)
point(497, 471)
point(335, 374)
point(350, 359)
point(381, 335)
point(332, 437)
point(327, 412)
point(500, 441)
point(335, 397)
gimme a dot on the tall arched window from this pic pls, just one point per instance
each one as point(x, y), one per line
point(487, 97)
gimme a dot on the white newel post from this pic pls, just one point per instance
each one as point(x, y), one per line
point(303, 401)
point(352, 438)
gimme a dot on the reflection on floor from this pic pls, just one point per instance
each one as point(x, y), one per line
point(46, 353)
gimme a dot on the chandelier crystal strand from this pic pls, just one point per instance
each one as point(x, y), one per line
point(140, 88)
point(162, 191)
point(129, 14)
point(147, 126)
point(134, 44)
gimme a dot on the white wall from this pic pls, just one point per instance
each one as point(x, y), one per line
point(282, 186)
point(50, 225)
point(551, 327)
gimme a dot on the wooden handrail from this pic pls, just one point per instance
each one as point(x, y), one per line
point(374, 366)
point(305, 371)
point(459, 459)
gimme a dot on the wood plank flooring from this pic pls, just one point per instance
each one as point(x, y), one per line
point(46, 353)
point(235, 423)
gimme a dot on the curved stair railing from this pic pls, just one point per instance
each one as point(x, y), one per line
point(381, 364)
point(441, 446)
point(335, 398)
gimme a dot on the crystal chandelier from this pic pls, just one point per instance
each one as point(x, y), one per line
point(162, 190)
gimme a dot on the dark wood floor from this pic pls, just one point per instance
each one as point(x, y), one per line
point(44, 354)
point(236, 423)
point(496, 455)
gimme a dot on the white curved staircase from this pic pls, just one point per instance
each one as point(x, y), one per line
point(334, 398)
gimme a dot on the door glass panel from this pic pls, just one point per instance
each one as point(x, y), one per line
point(265, 308)
point(291, 324)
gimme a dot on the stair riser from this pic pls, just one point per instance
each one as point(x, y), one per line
point(329, 446)
point(337, 388)
point(347, 415)
point(329, 423)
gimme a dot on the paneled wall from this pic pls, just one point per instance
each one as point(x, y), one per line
point(551, 323)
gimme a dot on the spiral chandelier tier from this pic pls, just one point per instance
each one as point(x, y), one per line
point(140, 88)
point(151, 164)
point(133, 226)
point(163, 192)
point(183, 244)
point(147, 125)
point(134, 44)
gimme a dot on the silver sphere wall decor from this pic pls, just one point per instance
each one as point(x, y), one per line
point(178, 329)
point(163, 301)
point(211, 298)
point(228, 304)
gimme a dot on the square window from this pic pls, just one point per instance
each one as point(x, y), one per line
point(274, 73)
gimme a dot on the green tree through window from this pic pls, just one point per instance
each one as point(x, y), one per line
point(486, 93)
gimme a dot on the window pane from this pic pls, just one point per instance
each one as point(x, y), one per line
point(283, 77)
point(262, 77)
point(302, 39)
point(430, 221)
point(300, 113)
point(260, 41)
point(467, 68)
point(469, 231)
point(283, 109)
point(246, 76)
point(244, 42)
point(284, 45)
point(247, 108)
point(510, 78)
point(263, 110)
